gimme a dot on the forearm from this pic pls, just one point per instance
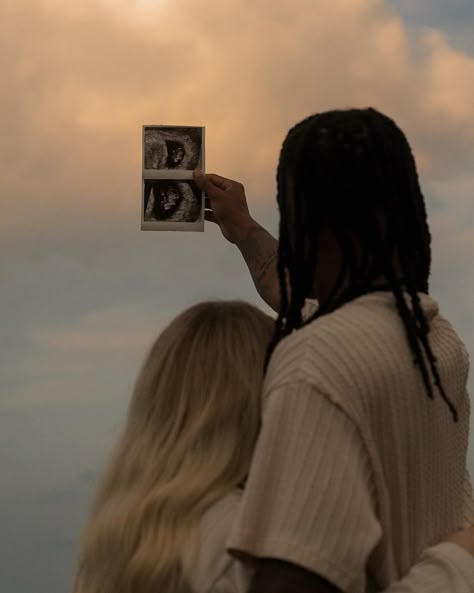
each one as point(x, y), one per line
point(277, 576)
point(260, 252)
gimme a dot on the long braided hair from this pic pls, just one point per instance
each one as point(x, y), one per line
point(341, 170)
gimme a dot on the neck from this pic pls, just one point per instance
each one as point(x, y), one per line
point(380, 283)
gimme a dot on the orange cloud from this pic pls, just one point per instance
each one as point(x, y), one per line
point(85, 77)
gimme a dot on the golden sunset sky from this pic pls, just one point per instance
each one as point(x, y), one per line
point(84, 291)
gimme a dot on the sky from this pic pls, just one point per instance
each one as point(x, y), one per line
point(84, 291)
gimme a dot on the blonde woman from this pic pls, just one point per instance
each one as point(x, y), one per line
point(163, 509)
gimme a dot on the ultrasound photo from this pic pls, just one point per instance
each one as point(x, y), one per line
point(171, 201)
point(172, 147)
point(170, 198)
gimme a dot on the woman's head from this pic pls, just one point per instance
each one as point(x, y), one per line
point(190, 432)
point(201, 380)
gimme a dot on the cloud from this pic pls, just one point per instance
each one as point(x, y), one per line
point(456, 18)
point(85, 76)
point(83, 291)
point(452, 229)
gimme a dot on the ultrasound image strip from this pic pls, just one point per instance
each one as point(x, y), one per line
point(171, 201)
point(172, 148)
point(170, 198)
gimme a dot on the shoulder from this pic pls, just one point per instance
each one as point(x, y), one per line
point(345, 333)
point(347, 356)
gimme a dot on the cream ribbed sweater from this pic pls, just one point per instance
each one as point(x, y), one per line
point(356, 471)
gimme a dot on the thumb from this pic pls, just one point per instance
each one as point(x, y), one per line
point(214, 185)
point(201, 179)
point(199, 176)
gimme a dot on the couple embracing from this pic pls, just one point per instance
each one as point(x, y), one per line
point(321, 452)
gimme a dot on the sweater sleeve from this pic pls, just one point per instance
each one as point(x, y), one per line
point(309, 496)
point(445, 568)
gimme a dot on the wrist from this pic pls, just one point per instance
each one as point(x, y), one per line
point(244, 231)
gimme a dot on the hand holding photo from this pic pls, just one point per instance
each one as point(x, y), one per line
point(171, 200)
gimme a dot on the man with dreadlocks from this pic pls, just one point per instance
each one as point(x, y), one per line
point(355, 473)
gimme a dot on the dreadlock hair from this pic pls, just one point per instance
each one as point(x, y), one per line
point(340, 170)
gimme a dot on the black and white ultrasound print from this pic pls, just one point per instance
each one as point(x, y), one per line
point(168, 147)
point(170, 198)
point(171, 201)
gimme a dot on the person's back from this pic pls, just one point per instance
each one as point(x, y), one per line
point(316, 513)
point(357, 359)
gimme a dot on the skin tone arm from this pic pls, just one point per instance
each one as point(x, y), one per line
point(226, 205)
point(275, 576)
point(260, 252)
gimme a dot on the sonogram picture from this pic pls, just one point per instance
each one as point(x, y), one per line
point(171, 201)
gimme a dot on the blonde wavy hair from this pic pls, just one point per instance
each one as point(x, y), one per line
point(188, 439)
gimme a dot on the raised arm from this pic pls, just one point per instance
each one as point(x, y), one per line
point(226, 205)
point(259, 250)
